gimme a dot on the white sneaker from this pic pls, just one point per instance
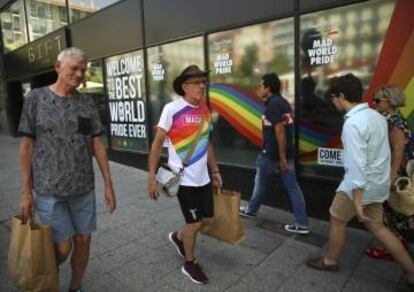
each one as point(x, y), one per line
point(294, 228)
point(243, 212)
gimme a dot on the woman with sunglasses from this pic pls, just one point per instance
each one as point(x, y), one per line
point(387, 100)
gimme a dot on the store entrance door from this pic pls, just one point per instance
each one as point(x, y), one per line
point(16, 91)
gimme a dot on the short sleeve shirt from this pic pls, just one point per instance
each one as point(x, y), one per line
point(277, 111)
point(181, 121)
point(62, 129)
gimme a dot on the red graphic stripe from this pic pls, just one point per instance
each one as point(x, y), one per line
point(398, 33)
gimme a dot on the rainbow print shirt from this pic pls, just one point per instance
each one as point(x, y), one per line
point(181, 121)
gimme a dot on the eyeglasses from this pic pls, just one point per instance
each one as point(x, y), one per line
point(197, 82)
point(378, 100)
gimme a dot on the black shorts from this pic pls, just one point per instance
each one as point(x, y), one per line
point(196, 202)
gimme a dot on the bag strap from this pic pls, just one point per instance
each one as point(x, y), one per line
point(195, 141)
point(397, 183)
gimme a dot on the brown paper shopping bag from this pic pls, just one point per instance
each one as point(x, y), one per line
point(227, 226)
point(31, 259)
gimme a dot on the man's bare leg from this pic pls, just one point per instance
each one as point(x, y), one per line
point(188, 235)
point(394, 246)
point(337, 237)
point(62, 251)
point(79, 259)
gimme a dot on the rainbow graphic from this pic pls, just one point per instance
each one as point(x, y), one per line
point(183, 133)
point(395, 66)
point(311, 138)
point(396, 60)
point(243, 109)
point(240, 107)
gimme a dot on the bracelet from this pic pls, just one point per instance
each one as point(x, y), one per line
point(216, 171)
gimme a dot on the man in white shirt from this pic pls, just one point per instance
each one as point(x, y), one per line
point(179, 122)
point(366, 182)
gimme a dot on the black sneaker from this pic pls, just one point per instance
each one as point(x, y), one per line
point(294, 228)
point(193, 270)
point(243, 212)
point(76, 290)
point(178, 243)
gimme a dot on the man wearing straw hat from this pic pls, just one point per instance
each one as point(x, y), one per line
point(179, 122)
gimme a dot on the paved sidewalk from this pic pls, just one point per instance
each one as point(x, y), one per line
point(131, 251)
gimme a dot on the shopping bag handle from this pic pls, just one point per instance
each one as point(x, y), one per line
point(218, 191)
point(25, 220)
point(398, 183)
point(30, 219)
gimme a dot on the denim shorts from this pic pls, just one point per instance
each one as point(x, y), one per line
point(68, 216)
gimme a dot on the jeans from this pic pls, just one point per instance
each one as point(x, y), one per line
point(265, 169)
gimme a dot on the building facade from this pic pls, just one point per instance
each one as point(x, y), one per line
point(137, 47)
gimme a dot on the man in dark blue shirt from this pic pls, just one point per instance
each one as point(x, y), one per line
point(277, 156)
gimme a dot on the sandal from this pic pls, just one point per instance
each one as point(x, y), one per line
point(382, 253)
point(319, 264)
point(378, 253)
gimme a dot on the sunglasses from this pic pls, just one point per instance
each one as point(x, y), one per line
point(378, 100)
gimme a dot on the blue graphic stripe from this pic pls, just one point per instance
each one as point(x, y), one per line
point(315, 135)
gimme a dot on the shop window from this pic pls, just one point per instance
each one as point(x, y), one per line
point(126, 96)
point(13, 26)
point(238, 60)
point(45, 16)
point(93, 86)
point(79, 9)
point(166, 62)
point(345, 44)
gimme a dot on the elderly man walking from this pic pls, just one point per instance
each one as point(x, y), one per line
point(61, 132)
point(179, 122)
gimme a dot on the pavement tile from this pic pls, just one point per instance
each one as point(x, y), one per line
point(109, 240)
point(262, 240)
point(119, 256)
point(105, 283)
point(147, 270)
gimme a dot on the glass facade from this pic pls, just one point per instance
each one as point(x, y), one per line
point(164, 64)
point(79, 9)
point(332, 42)
point(13, 26)
point(45, 16)
point(343, 40)
point(238, 59)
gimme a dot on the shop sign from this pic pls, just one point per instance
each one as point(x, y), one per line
point(36, 56)
point(157, 68)
point(125, 89)
point(323, 49)
point(330, 156)
point(223, 62)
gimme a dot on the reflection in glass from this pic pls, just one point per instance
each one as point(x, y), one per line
point(165, 63)
point(79, 9)
point(238, 60)
point(334, 42)
point(93, 86)
point(13, 26)
point(45, 16)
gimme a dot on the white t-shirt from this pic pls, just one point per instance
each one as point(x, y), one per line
point(181, 121)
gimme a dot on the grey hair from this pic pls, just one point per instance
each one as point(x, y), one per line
point(392, 93)
point(71, 52)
